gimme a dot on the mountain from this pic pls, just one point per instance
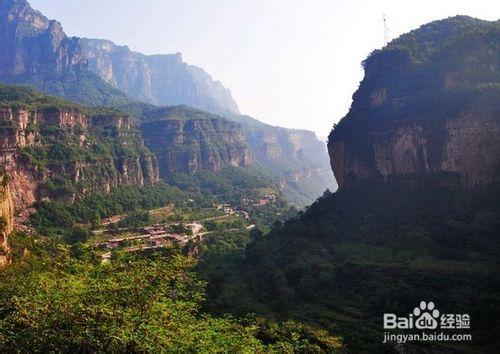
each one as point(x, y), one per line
point(186, 140)
point(55, 149)
point(428, 105)
point(296, 156)
point(36, 51)
point(416, 217)
point(157, 79)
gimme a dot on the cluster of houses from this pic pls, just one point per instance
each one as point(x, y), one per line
point(160, 235)
point(232, 210)
point(266, 199)
point(151, 237)
point(228, 209)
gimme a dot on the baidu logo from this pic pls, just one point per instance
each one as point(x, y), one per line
point(426, 323)
point(426, 317)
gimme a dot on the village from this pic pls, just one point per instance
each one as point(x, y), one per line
point(163, 234)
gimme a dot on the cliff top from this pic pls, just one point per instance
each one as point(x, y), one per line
point(16, 96)
point(425, 40)
point(425, 43)
point(445, 65)
point(180, 112)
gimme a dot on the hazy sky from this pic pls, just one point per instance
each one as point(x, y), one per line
point(293, 63)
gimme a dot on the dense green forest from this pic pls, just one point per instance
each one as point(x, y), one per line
point(325, 274)
point(52, 300)
point(356, 254)
point(92, 208)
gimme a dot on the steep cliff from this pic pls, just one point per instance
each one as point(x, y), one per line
point(186, 140)
point(407, 223)
point(428, 106)
point(157, 79)
point(6, 218)
point(36, 51)
point(54, 149)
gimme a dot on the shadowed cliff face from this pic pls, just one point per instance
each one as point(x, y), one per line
point(428, 106)
point(189, 141)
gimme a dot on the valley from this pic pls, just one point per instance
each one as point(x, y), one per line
point(142, 212)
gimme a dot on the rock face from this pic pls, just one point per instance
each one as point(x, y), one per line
point(157, 79)
point(188, 141)
point(6, 218)
point(427, 107)
point(61, 153)
point(31, 44)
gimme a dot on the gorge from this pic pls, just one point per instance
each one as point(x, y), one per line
point(141, 212)
point(37, 52)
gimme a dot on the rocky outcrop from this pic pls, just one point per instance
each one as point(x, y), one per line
point(189, 141)
point(157, 79)
point(50, 153)
point(6, 218)
point(427, 107)
point(35, 51)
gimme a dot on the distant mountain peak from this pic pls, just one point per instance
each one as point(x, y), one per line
point(162, 79)
point(34, 46)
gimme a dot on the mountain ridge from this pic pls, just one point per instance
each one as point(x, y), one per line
point(155, 78)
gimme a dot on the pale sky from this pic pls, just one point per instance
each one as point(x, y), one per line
point(293, 63)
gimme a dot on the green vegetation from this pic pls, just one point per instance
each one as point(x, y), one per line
point(135, 219)
point(425, 41)
point(93, 208)
point(228, 185)
point(356, 254)
point(26, 97)
point(52, 301)
point(77, 85)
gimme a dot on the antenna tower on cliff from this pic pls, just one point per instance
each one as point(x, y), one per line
point(386, 30)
